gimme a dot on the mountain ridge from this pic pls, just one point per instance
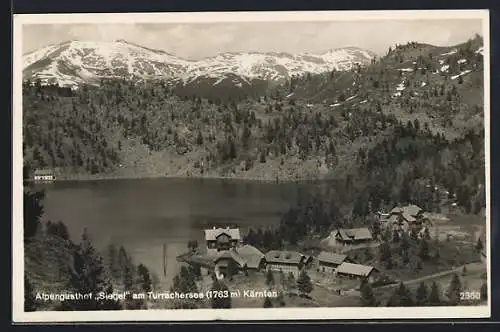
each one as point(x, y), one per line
point(73, 63)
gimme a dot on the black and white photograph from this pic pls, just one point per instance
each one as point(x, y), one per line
point(251, 166)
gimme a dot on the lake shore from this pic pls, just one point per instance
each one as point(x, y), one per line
point(237, 177)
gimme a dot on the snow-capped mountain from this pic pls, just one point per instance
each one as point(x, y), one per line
point(75, 62)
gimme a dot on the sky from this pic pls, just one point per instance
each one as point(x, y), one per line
point(199, 40)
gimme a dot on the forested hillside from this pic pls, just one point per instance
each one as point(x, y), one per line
point(410, 121)
point(57, 265)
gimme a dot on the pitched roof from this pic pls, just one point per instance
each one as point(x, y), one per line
point(354, 269)
point(396, 210)
point(408, 217)
point(331, 257)
point(412, 210)
point(290, 257)
point(231, 254)
point(355, 233)
point(393, 218)
point(252, 255)
point(212, 234)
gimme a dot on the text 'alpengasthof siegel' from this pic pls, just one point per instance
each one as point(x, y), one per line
point(210, 294)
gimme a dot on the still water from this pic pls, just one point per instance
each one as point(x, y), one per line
point(143, 215)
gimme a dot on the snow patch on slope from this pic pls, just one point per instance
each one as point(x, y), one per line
point(37, 55)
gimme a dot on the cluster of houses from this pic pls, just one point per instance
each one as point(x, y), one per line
point(404, 219)
point(226, 250)
point(225, 247)
point(408, 214)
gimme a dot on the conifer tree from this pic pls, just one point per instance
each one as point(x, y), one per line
point(484, 292)
point(291, 283)
point(195, 270)
point(422, 294)
point(267, 303)
point(367, 296)
point(128, 275)
point(434, 296)
point(112, 262)
point(89, 276)
point(385, 254)
point(33, 211)
point(269, 278)
point(423, 251)
point(187, 281)
point(454, 290)
point(401, 297)
point(145, 278)
point(304, 284)
point(281, 299)
point(220, 302)
point(122, 262)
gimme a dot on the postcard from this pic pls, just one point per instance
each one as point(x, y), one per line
point(250, 166)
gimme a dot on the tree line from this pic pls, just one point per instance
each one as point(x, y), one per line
point(423, 295)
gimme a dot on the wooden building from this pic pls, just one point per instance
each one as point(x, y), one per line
point(254, 258)
point(409, 213)
point(228, 262)
point(285, 261)
point(357, 271)
point(329, 261)
point(353, 236)
point(221, 239)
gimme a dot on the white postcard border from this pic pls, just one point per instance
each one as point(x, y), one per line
point(250, 314)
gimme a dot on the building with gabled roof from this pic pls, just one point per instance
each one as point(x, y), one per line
point(285, 261)
point(353, 235)
point(255, 259)
point(412, 210)
point(410, 213)
point(329, 261)
point(221, 239)
point(228, 262)
point(357, 271)
point(396, 210)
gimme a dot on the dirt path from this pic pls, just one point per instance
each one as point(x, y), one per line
point(471, 268)
point(352, 293)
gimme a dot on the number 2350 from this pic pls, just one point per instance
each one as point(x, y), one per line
point(470, 296)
